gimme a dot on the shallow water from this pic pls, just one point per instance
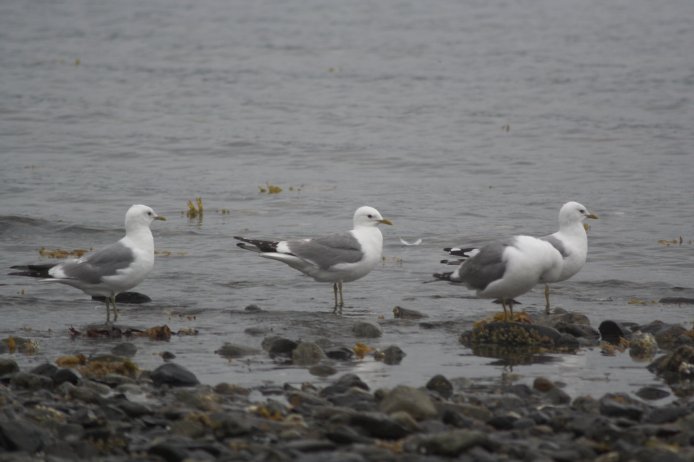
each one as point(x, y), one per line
point(459, 121)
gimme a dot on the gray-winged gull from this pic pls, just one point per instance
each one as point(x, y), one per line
point(335, 258)
point(506, 269)
point(109, 271)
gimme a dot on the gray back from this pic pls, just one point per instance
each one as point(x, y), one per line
point(485, 267)
point(105, 262)
point(329, 250)
point(557, 244)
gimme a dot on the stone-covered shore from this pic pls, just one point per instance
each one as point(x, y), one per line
point(122, 414)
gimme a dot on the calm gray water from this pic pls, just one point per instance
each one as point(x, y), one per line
point(459, 121)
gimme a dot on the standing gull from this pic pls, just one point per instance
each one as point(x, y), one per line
point(109, 271)
point(506, 269)
point(335, 258)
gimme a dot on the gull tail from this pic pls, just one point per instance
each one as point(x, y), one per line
point(443, 276)
point(34, 271)
point(467, 252)
point(256, 245)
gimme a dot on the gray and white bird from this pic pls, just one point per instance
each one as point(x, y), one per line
point(508, 268)
point(109, 271)
point(336, 258)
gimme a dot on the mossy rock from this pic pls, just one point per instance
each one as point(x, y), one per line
point(513, 334)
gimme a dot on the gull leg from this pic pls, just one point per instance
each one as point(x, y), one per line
point(510, 308)
point(335, 292)
point(342, 300)
point(546, 298)
point(115, 310)
point(503, 305)
point(108, 310)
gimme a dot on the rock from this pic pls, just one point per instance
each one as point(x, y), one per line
point(652, 393)
point(665, 414)
point(448, 444)
point(343, 384)
point(365, 329)
point(621, 405)
point(167, 356)
point(257, 331)
point(279, 346)
point(342, 434)
point(612, 331)
point(20, 435)
point(472, 411)
point(322, 370)
point(543, 384)
point(440, 385)
point(173, 375)
point(307, 354)
point(391, 355)
point(415, 402)
point(125, 349)
point(8, 366)
point(45, 369)
point(231, 350)
point(515, 334)
point(677, 300)
point(67, 375)
point(252, 308)
point(503, 422)
point(642, 346)
point(404, 313)
point(339, 353)
point(578, 330)
point(29, 381)
point(378, 425)
point(675, 366)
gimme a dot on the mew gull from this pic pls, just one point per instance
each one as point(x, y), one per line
point(335, 258)
point(109, 271)
point(505, 269)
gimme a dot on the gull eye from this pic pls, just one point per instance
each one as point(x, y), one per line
point(370, 216)
point(149, 213)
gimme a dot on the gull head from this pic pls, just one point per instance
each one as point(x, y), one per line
point(573, 212)
point(141, 215)
point(369, 216)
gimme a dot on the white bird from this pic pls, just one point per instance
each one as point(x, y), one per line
point(109, 271)
point(335, 258)
point(506, 269)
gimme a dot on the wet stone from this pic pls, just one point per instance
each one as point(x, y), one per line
point(67, 375)
point(322, 370)
point(365, 329)
point(612, 331)
point(8, 366)
point(652, 393)
point(414, 401)
point(307, 354)
point(378, 425)
point(661, 415)
point(642, 346)
point(448, 444)
point(621, 405)
point(46, 369)
point(391, 355)
point(125, 349)
point(29, 381)
point(20, 435)
point(440, 385)
point(232, 350)
point(279, 346)
point(339, 353)
point(404, 313)
point(343, 384)
point(173, 375)
point(252, 308)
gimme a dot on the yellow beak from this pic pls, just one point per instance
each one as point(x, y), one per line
point(592, 215)
point(160, 218)
point(385, 222)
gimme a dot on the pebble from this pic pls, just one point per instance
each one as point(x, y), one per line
point(125, 349)
point(8, 366)
point(173, 375)
point(415, 402)
point(307, 354)
point(440, 385)
point(363, 329)
point(391, 355)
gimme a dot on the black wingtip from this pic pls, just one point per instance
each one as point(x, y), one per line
point(443, 276)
